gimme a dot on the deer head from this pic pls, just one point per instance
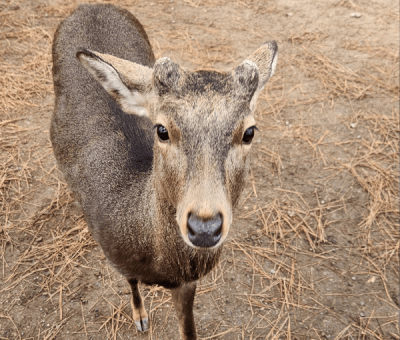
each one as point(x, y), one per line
point(203, 130)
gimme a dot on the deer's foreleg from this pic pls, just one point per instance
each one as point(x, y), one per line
point(140, 316)
point(183, 299)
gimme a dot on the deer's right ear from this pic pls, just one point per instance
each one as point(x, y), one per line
point(265, 59)
point(127, 82)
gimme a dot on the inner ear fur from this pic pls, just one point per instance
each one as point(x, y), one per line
point(135, 76)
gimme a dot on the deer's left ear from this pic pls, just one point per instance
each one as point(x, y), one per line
point(265, 58)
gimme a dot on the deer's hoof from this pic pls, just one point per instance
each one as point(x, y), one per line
point(142, 325)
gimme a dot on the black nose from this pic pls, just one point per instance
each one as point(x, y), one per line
point(204, 233)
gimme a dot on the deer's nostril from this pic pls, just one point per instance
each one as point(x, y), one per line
point(204, 233)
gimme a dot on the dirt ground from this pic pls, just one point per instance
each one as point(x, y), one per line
point(314, 249)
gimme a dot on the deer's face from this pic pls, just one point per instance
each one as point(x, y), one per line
point(201, 156)
point(203, 130)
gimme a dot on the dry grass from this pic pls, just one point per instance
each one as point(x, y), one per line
point(343, 82)
point(296, 233)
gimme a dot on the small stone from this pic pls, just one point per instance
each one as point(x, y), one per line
point(246, 207)
point(289, 14)
point(39, 239)
point(353, 278)
point(287, 123)
point(362, 315)
point(355, 15)
point(358, 137)
point(362, 303)
point(272, 271)
point(322, 202)
point(291, 213)
point(353, 125)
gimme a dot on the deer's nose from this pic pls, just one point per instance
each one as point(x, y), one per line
point(204, 233)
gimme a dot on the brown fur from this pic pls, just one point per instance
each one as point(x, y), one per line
point(137, 191)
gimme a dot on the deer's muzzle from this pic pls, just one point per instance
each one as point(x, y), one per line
point(204, 233)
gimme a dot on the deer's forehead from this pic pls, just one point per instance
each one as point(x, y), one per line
point(207, 83)
point(215, 112)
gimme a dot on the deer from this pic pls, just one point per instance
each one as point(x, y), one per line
point(156, 155)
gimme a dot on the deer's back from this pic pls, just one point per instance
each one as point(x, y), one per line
point(104, 153)
point(99, 148)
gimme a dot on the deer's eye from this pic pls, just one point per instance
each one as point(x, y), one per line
point(162, 133)
point(248, 135)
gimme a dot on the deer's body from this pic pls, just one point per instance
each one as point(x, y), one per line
point(148, 201)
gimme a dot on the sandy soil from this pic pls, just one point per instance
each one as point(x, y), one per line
point(314, 249)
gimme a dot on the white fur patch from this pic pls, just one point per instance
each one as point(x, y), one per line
point(274, 62)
